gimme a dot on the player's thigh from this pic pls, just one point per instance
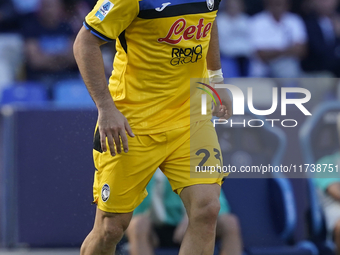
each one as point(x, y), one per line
point(202, 200)
point(111, 224)
point(192, 153)
point(142, 229)
point(332, 215)
point(139, 225)
point(227, 224)
point(120, 181)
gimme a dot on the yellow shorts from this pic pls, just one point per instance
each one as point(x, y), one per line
point(120, 181)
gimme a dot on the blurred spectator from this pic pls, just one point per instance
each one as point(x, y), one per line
point(306, 7)
point(11, 44)
point(27, 6)
point(297, 6)
point(323, 28)
point(48, 39)
point(8, 17)
point(256, 6)
point(108, 53)
point(253, 6)
point(234, 35)
point(161, 220)
point(90, 3)
point(279, 39)
point(11, 58)
point(329, 184)
point(75, 11)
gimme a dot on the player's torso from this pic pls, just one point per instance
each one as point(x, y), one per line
point(163, 47)
point(170, 37)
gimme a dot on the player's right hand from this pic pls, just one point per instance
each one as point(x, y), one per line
point(225, 110)
point(113, 126)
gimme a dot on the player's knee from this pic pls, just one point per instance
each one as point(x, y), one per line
point(112, 234)
point(205, 210)
point(140, 226)
point(337, 231)
point(112, 229)
point(228, 224)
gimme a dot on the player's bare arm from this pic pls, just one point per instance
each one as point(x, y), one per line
point(111, 122)
point(213, 62)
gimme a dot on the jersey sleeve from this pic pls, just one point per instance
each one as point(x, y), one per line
point(109, 18)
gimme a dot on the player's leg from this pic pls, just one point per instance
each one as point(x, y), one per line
point(119, 187)
point(190, 147)
point(337, 236)
point(332, 217)
point(228, 231)
point(141, 236)
point(108, 230)
point(202, 205)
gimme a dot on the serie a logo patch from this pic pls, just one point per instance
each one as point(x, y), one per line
point(104, 9)
point(105, 192)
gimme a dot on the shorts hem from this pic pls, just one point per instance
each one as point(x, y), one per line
point(120, 210)
point(179, 190)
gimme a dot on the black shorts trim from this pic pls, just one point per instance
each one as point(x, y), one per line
point(122, 41)
point(96, 142)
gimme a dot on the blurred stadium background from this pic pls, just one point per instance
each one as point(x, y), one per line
point(47, 120)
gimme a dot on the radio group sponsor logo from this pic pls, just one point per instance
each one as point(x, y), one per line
point(182, 56)
point(239, 106)
point(180, 31)
point(104, 9)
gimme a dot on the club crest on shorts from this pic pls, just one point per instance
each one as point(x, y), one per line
point(210, 4)
point(105, 192)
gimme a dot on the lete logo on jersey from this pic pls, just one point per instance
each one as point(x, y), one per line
point(179, 31)
point(104, 9)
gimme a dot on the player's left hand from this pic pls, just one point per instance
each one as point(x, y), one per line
point(224, 111)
